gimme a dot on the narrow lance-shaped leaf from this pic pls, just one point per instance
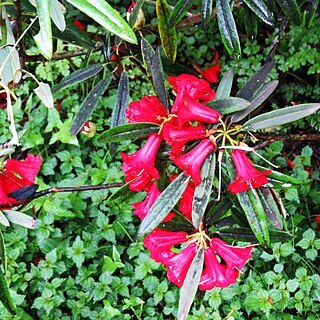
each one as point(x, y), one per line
point(178, 12)
point(311, 13)
point(57, 15)
point(279, 176)
point(3, 252)
point(164, 204)
point(158, 78)
point(78, 76)
point(147, 55)
point(5, 296)
point(228, 29)
point(135, 13)
point(206, 12)
point(250, 22)
point(190, 285)
point(102, 13)
point(255, 82)
point(229, 105)
point(225, 85)
point(88, 106)
point(261, 10)
point(281, 116)
point(262, 95)
point(291, 10)
point(129, 131)
point(168, 35)
point(203, 190)
point(44, 37)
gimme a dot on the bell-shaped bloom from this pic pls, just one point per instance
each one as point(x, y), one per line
point(216, 274)
point(177, 138)
point(15, 175)
point(179, 264)
point(191, 162)
point(159, 242)
point(148, 109)
point(247, 175)
point(235, 257)
point(186, 85)
point(139, 166)
point(196, 111)
point(142, 208)
point(211, 73)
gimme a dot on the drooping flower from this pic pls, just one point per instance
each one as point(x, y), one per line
point(186, 85)
point(139, 166)
point(195, 111)
point(142, 208)
point(192, 161)
point(247, 175)
point(177, 138)
point(211, 74)
point(17, 174)
point(159, 242)
point(148, 109)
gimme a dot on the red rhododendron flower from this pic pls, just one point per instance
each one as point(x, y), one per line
point(177, 138)
point(191, 162)
point(140, 165)
point(148, 109)
point(194, 111)
point(211, 73)
point(159, 242)
point(15, 175)
point(186, 85)
point(79, 25)
point(247, 175)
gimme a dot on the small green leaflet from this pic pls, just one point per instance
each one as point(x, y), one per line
point(129, 131)
point(78, 76)
point(164, 204)
point(281, 116)
point(291, 10)
point(101, 12)
point(229, 105)
point(228, 29)
point(88, 106)
point(190, 285)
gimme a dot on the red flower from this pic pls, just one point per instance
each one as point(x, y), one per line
point(247, 175)
point(192, 161)
point(133, 3)
point(159, 242)
point(318, 222)
point(191, 110)
point(211, 73)
point(186, 85)
point(79, 25)
point(148, 109)
point(216, 274)
point(142, 208)
point(177, 138)
point(15, 175)
point(139, 166)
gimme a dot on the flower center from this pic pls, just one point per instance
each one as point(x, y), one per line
point(200, 238)
point(164, 120)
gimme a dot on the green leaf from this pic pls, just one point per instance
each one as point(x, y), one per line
point(168, 35)
point(250, 23)
point(291, 10)
point(281, 116)
point(121, 195)
point(225, 85)
point(44, 38)
point(311, 13)
point(147, 55)
point(261, 10)
point(102, 13)
point(129, 131)
point(135, 13)
point(217, 210)
point(164, 204)
point(178, 12)
point(88, 106)
point(178, 223)
point(278, 176)
point(44, 93)
point(5, 296)
point(190, 285)
point(202, 192)
point(110, 265)
point(228, 29)
point(78, 76)
point(3, 252)
point(57, 16)
point(206, 12)
point(249, 90)
point(158, 78)
point(262, 95)
point(229, 105)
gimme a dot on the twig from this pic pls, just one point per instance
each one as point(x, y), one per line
point(17, 4)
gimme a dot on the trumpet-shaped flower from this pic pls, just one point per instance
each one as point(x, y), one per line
point(247, 175)
point(15, 175)
point(211, 73)
point(192, 161)
point(148, 109)
point(139, 166)
point(186, 85)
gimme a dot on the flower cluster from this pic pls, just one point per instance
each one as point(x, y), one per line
point(189, 132)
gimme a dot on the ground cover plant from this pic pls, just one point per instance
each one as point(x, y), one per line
point(159, 160)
